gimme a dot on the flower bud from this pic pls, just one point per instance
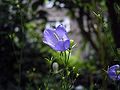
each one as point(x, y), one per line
point(118, 72)
point(72, 43)
point(77, 75)
point(55, 67)
point(68, 73)
point(63, 78)
point(73, 68)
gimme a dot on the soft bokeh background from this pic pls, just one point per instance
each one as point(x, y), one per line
point(94, 25)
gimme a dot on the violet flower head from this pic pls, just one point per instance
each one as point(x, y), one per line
point(57, 38)
point(114, 72)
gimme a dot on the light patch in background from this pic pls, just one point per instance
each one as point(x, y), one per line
point(65, 21)
point(49, 3)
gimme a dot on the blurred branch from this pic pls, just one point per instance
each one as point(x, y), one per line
point(114, 20)
point(87, 35)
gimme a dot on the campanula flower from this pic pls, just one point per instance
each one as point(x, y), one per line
point(114, 72)
point(57, 38)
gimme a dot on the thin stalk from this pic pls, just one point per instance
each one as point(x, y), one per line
point(61, 55)
point(65, 58)
point(68, 55)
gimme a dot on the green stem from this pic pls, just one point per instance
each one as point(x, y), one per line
point(61, 55)
point(68, 55)
point(65, 58)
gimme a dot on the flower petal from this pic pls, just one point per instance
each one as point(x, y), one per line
point(61, 32)
point(49, 38)
point(114, 67)
point(118, 77)
point(67, 44)
point(59, 46)
point(112, 72)
point(62, 46)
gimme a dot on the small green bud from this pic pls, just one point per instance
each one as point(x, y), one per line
point(17, 1)
point(34, 69)
point(72, 43)
point(18, 5)
point(73, 68)
point(77, 75)
point(68, 73)
point(118, 72)
point(63, 78)
point(98, 15)
point(55, 67)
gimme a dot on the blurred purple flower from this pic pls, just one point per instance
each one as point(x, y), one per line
point(114, 72)
point(57, 39)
